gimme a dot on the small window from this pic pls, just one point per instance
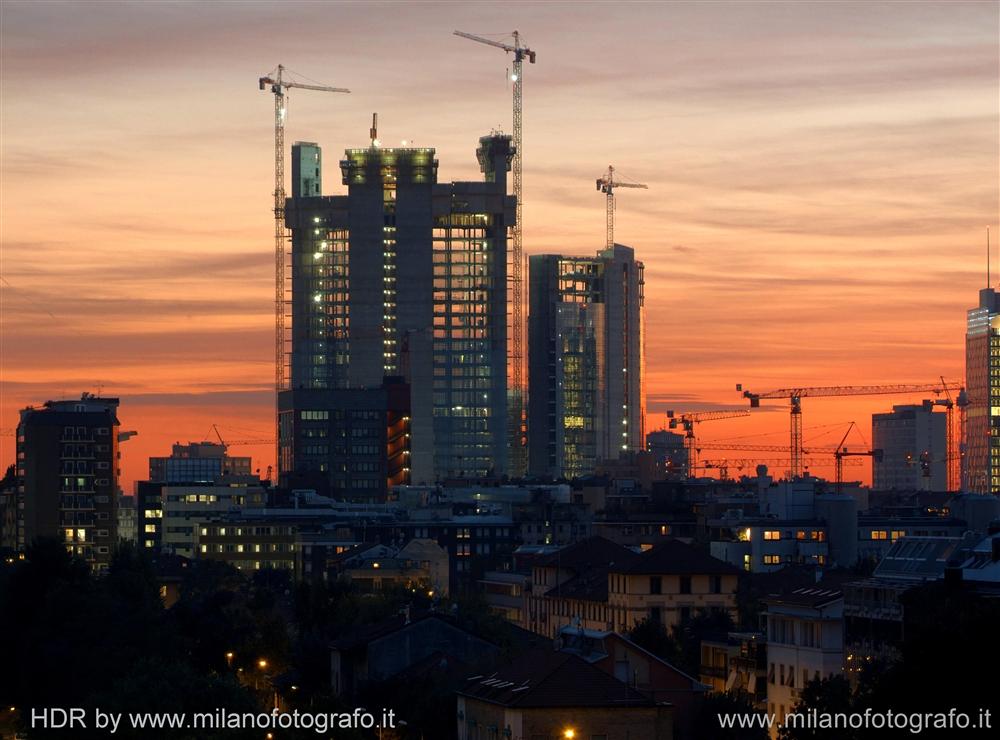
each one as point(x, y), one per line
point(685, 584)
point(655, 585)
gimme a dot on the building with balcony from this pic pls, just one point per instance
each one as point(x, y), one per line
point(67, 469)
point(805, 641)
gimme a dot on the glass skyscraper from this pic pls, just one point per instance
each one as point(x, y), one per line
point(586, 395)
point(981, 461)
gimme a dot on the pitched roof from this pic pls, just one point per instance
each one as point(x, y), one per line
point(546, 678)
point(586, 554)
point(673, 557)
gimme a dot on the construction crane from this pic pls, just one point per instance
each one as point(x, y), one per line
point(688, 421)
point(517, 253)
point(241, 442)
point(795, 396)
point(953, 435)
point(607, 185)
point(724, 465)
point(279, 85)
point(842, 452)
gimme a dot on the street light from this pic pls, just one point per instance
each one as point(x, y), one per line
point(262, 664)
point(569, 733)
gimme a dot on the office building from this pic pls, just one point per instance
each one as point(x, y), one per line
point(981, 462)
point(196, 462)
point(405, 277)
point(586, 400)
point(349, 443)
point(913, 440)
point(67, 466)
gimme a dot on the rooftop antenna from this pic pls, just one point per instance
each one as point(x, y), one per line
point(373, 133)
point(987, 256)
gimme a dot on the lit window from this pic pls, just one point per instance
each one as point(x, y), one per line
point(772, 534)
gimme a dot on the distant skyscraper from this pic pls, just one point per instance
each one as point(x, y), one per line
point(586, 395)
point(68, 476)
point(404, 276)
point(981, 462)
point(913, 440)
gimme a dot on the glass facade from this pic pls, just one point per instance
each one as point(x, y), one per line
point(981, 458)
point(585, 361)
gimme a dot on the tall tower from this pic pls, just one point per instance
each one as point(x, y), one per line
point(405, 277)
point(586, 400)
point(982, 383)
point(68, 472)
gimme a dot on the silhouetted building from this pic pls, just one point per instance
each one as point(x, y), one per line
point(981, 463)
point(913, 440)
point(405, 276)
point(68, 471)
point(586, 400)
point(669, 452)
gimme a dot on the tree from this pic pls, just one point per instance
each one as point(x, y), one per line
point(653, 636)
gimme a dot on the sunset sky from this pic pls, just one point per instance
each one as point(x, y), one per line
point(821, 176)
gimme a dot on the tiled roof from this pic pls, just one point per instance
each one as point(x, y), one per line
point(546, 678)
point(673, 557)
point(588, 553)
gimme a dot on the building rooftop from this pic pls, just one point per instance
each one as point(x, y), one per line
point(673, 557)
point(918, 558)
point(814, 597)
point(546, 678)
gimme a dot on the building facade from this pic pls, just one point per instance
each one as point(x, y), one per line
point(349, 443)
point(68, 469)
point(586, 400)
point(805, 641)
point(405, 276)
point(913, 440)
point(981, 462)
point(196, 462)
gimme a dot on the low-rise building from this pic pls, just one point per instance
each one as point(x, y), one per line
point(552, 694)
point(873, 609)
point(631, 664)
point(601, 585)
point(379, 651)
point(805, 641)
point(668, 584)
point(736, 663)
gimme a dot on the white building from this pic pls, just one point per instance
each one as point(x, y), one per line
point(805, 641)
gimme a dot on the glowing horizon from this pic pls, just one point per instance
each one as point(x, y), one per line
point(820, 182)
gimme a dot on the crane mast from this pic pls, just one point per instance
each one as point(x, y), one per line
point(517, 261)
point(688, 421)
point(279, 86)
point(607, 184)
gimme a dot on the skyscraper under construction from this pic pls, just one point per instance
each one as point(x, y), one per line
point(586, 395)
point(402, 277)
